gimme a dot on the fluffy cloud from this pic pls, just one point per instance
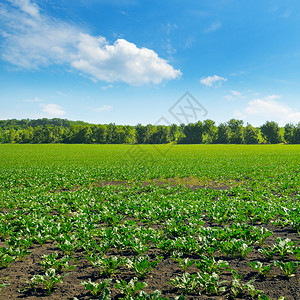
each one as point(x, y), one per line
point(53, 109)
point(34, 40)
point(270, 109)
point(212, 80)
point(234, 95)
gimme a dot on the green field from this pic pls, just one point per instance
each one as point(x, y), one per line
point(201, 221)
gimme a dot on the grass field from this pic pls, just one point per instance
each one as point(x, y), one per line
point(201, 221)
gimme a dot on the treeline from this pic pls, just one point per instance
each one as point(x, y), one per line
point(56, 130)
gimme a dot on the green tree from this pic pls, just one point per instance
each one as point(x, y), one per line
point(271, 132)
point(236, 135)
point(129, 135)
point(210, 131)
point(289, 131)
point(251, 134)
point(297, 134)
point(223, 134)
point(100, 132)
point(140, 134)
point(193, 133)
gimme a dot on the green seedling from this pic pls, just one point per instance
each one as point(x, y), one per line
point(131, 288)
point(156, 295)
point(52, 261)
point(48, 281)
point(98, 289)
point(288, 268)
point(268, 252)
point(260, 267)
point(211, 283)
point(185, 263)
point(142, 265)
point(210, 265)
point(283, 247)
point(186, 283)
point(108, 265)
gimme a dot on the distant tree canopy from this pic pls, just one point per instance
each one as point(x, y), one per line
point(44, 131)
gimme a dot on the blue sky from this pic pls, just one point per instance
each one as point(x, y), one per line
point(130, 61)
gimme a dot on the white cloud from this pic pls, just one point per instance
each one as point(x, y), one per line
point(103, 108)
point(211, 80)
point(53, 109)
point(213, 27)
point(269, 109)
point(34, 40)
point(26, 6)
point(234, 95)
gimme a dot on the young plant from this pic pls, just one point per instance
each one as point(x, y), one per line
point(211, 283)
point(131, 288)
point(210, 265)
point(48, 281)
point(262, 234)
point(296, 252)
point(156, 295)
point(235, 248)
point(98, 289)
point(185, 263)
point(268, 252)
point(108, 265)
point(186, 283)
point(69, 245)
point(260, 267)
point(288, 268)
point(283, 247)
point(237, 287)
point(142, 265)
point(52, 261)
point(20, 252)
point(250, 288)
point(6, 257)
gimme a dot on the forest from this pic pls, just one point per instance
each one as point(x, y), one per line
point(46, 131)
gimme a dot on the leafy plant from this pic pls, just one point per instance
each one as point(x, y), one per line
point(296, 252)
point(260, 267)
point(6, 257)
point(98, 289)
point(48, 281)
point(288, 268)
point(210, 265)
point(52, 261)
point(283, 246)
point(250, 288)
point(237, 287)
point(108, 265)
point(131, 288)
point(186, 283)
point(235, 248)
point(185, 263)
point(211, 283)
point(268, 252)
point(142, 265)
point(156, 295)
